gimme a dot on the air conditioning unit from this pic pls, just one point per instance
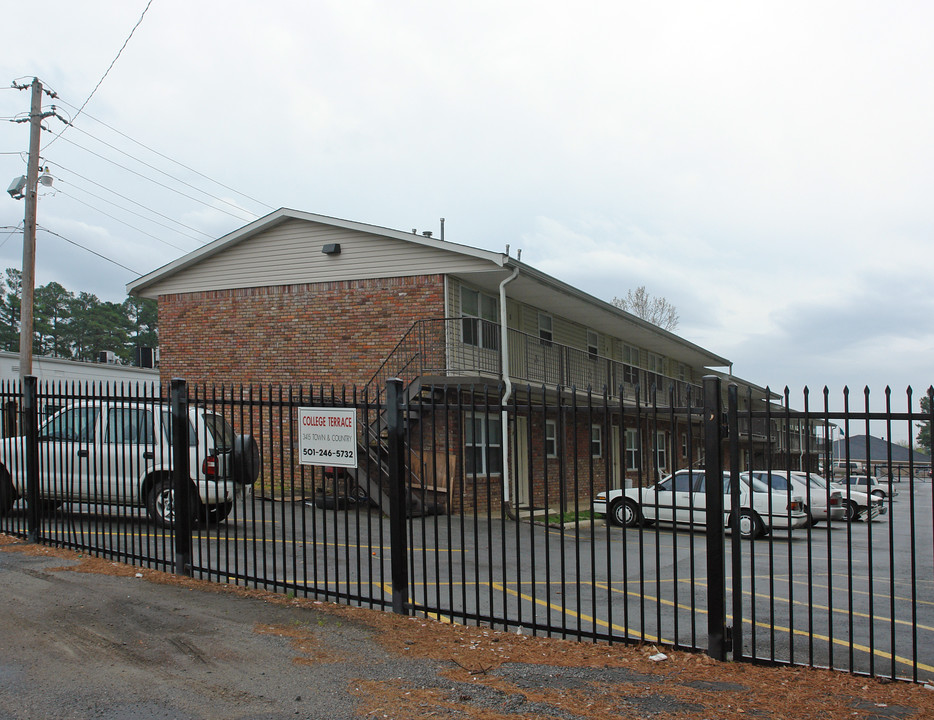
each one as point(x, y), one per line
point(107, 356)
point(145, 357)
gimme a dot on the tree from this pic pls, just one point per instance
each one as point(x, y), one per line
point(656, 310)
point(78, 327)
point(99, 326)
point(143, 316)
point(52, 320)
point(10, 309)
point(924, 429)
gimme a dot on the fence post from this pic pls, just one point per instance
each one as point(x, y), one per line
point(181, 477)
point(736, 586)
point(397, 497)
point(716, 560)
point(31, 432)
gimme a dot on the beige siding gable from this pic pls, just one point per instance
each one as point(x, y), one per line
point(291, 253)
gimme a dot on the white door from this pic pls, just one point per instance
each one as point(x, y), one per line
point(68, 455)
point(522, 480)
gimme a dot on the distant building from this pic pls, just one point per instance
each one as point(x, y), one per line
point(58, 370)
point(873, 453)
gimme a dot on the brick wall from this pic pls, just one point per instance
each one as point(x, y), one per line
point(335, 332)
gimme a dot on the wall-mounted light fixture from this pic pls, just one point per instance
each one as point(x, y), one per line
point(331, 249)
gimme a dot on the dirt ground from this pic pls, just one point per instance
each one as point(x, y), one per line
point(497, 675)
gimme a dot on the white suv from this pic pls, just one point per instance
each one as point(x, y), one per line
point(110, 452)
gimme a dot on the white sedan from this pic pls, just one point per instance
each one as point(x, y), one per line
point(856, 504)
point(681, 498)
point(868, 484)
point(825, 503)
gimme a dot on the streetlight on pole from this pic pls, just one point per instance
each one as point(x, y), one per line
point(28, 187)
point(29, 233)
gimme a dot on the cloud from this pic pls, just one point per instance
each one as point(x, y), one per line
point(766, 168)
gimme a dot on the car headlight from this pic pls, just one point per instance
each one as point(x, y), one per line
point(601, 497)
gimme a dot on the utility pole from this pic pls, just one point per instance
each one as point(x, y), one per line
point(29, 233)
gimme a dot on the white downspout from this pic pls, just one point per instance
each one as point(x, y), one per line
point(507, 390)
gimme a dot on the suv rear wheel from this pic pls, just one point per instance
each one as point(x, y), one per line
point(213, 514)
point(160, 503)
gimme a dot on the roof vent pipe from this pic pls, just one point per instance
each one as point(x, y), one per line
point(442, 229)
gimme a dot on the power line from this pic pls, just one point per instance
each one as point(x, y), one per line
point(124, 197)
point(106, 73)
point(12, 230)
point(58, 189)
point(163, 172)
point(122, 222)
point(172, 160)
point(167, 187)
point(102, 257)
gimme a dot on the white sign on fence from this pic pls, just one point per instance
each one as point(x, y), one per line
point(327, 436)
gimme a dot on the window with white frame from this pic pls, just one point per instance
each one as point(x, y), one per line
point(593, 343)
point(545, 328)
point(551, 438)
point(632, 449)
point(630, 364)
point(480, 314)
point(596, 441)
point(630, 355)
point(483, 445)
point(656, 363)
point(660, 453)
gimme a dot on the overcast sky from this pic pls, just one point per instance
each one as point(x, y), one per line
point(766, 167)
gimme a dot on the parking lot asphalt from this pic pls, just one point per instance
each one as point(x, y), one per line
point(84, 637)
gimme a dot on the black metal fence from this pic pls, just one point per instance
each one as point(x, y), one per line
point(466, 507)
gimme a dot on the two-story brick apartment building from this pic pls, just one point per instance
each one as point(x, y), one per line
point(297, 298)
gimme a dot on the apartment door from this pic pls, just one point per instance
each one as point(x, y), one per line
point(522, 480)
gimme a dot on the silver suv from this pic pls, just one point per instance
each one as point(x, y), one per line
point(107, 452)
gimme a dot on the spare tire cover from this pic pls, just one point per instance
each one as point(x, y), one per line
point(245, 460)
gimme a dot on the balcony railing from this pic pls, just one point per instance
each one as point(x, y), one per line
point(771, 431)
point(470, 347)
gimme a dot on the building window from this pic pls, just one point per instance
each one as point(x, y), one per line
point(630, 374)
point(630, 364)
point(632, 450)
point(684, 445)
point(479, 325)
point(551, 438)
point(593, 343)
point(630, 355)
point(596, 441)
point(483, 445)
point(660, 453)
point(656, 364)
point(545, 333)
